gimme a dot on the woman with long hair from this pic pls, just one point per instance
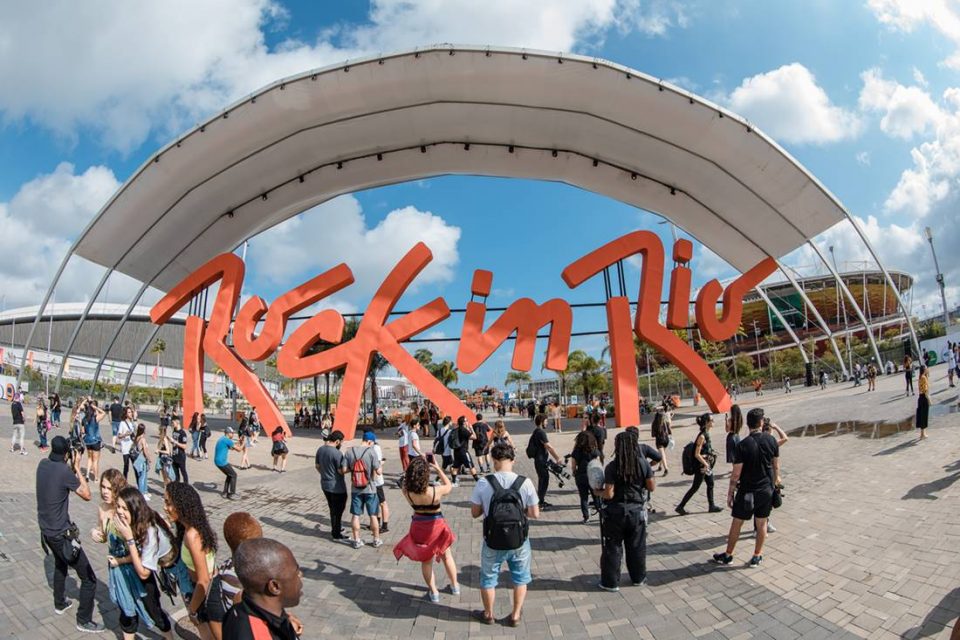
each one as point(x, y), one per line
point(923, 401)
point(627, 483)
point(204, 435)
point(165, 455)
point(138, 539)
point(198, 550)
point(126, 432)
point(43, 423)
point(500, 434)
point(111, 482)
point(660, 428)
point(55, 409)
point(140, 454)
point(243, 431)
point(195, 435)
point(908, 374)
point(92, 441)
point(280, 450)
point(584, 450)
point(429, 538)
point(734, 426)
point(704, 458)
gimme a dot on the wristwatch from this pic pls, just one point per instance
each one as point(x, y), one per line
point(131, 542)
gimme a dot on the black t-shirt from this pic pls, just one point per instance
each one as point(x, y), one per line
point(17, 409)
point(539, 439)
point(55, 482)
point(181, 437)
point(464, 434)
point(482, 429)
point(583, 459)
point(116, 412)
point(634, 492)
point(756, 453)
point(649, 453)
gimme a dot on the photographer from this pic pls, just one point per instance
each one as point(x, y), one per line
point(540, 450)
point(756, 471)
point(58, 476)
point(627, 483)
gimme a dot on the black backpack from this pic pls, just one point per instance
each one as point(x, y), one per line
point(688, 459)
point(453, 442)
point(532, 448)
point(438, 447)
point(505, 526)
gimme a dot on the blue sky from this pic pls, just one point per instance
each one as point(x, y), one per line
point(862, 93)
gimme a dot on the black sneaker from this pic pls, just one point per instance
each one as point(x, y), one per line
point(90, 627)
point(641, 583)
point(680, 510)
point(755, 561)
point(715, 509)
point(722, 558)
point(385, 528)
point(60, 609)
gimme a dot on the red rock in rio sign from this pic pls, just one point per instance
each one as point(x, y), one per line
point(376, 334)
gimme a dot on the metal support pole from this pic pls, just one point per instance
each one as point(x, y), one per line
point(943, 293)
point(116, 334)
point(78, 327)
point(136, 361)
point(783, 321)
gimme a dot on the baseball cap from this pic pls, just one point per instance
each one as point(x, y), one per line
point(369, 436)
point(59, 447)
point(229, 430)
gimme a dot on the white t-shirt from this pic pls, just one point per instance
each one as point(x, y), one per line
point(402, 439)
point(483, 492)
point(153, 549)
point(412, 437)
point(378, 479)
point(125, 434)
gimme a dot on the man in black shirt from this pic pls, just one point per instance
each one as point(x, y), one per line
point(627, 484)
point(756, 469)
point(540, 449)
point(16, 408)
point(57, 478)
point(461, 453)
point(180, 439)
point(272, 582)
point(116, 416)
point(600, 433)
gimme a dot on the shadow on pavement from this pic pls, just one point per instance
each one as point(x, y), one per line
point(938, 617)
point(897, 448)
point(926, 490)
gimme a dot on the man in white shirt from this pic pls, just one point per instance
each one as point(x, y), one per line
point(491, 559)
point(378, 483)
point(125, 432)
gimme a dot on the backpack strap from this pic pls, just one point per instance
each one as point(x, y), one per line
point(497, 487)
point(517, 484)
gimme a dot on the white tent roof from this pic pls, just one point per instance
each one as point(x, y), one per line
point(582, 121)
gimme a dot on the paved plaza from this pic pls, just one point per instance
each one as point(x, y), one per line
point(867, 541)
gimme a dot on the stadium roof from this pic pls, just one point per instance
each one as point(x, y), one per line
point(459, 110)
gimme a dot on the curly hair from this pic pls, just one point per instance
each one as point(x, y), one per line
point(240, 527)
point(115, 479)
point(417, 476)
point(586, 442)
point(190, 514)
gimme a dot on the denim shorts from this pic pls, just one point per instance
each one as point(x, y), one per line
point(518, 561)
point(115, 428)
point(359, 501)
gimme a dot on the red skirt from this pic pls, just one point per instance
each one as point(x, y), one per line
point(429, 537)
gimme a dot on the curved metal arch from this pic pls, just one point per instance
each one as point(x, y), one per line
point(783, 321)
point(856, 307)
point(886, 275)
point(816, 314)
point(78, 327)
point(136, 361)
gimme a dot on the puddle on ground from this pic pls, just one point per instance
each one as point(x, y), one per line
point(863, 429)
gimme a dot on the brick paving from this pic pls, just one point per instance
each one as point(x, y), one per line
point(867, 545)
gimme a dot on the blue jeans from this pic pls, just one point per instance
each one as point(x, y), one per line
point(518, 561)
point(140, 470)
point(115, 428)
point(196, 443)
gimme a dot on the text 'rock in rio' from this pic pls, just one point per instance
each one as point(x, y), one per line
point(376, 334)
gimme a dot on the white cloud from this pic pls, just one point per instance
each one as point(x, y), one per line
point(788, 104)
point(907, 111)
point(907, 15)
point(125, 69)
point(292, 248)
point(863, 158)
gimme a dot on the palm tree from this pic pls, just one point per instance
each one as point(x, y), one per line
point(349, 331)
point(424, 357)
point(587, 369)
point(517, 378)
point(377, 364)
point(159, 346)
point(445, 372)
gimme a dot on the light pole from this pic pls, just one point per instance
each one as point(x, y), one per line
point(936, 264)
point(756, 334)
point(846, 325)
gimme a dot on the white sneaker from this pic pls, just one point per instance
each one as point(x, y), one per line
point(357, 543)
point(146, 497)
point(377, 542)
point(23, 452)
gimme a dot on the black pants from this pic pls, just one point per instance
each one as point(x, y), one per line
point(180, 467)
point(88, 580)
point(698, 479)
point(543, 479)
point(126, 466)
point(586, 496)
point(624, 529)
point(336, 502)
point(230, 484)
point(203, 443)
point(151, 602)
point(909, 383)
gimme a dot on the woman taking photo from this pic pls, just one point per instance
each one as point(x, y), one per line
point(908, 373)
point(198, 550)
point(165, 456)
point(584, 450)
point(204, 435)
point(55, 409)
point(43, 423)
point(92, 415)
point(195, 435)
point(704, 458)
point(243, 431)
point(627, 483)
point(280, 450)
point(923, 401)
point(660, 428)
point(140, 454)
point(138, 539)
point(429, 538)
point(500, 434)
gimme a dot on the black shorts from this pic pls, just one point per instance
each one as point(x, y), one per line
point(381, 496)
point(96, 446)
point(461, 458)
point(753, 504)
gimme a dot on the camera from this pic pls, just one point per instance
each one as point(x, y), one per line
point(76, 449)
point(559, 472)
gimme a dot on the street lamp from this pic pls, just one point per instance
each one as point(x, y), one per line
point(943, 296)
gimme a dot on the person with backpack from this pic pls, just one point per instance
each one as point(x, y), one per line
point(481, 444)
point(540, 450)
point(459, 442)
point(698, 460)
point(441, 445)
point(362, 466)
point(627, 483)
point(506, 501)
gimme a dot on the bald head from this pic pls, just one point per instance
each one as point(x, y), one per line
point(267, 570)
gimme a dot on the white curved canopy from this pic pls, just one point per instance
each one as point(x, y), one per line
point(582, 121)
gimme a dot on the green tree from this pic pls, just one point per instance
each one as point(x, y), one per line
point(159, 346)
point(518, 378)
point(445, 372)
point(587, 370)
point(424, 357)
